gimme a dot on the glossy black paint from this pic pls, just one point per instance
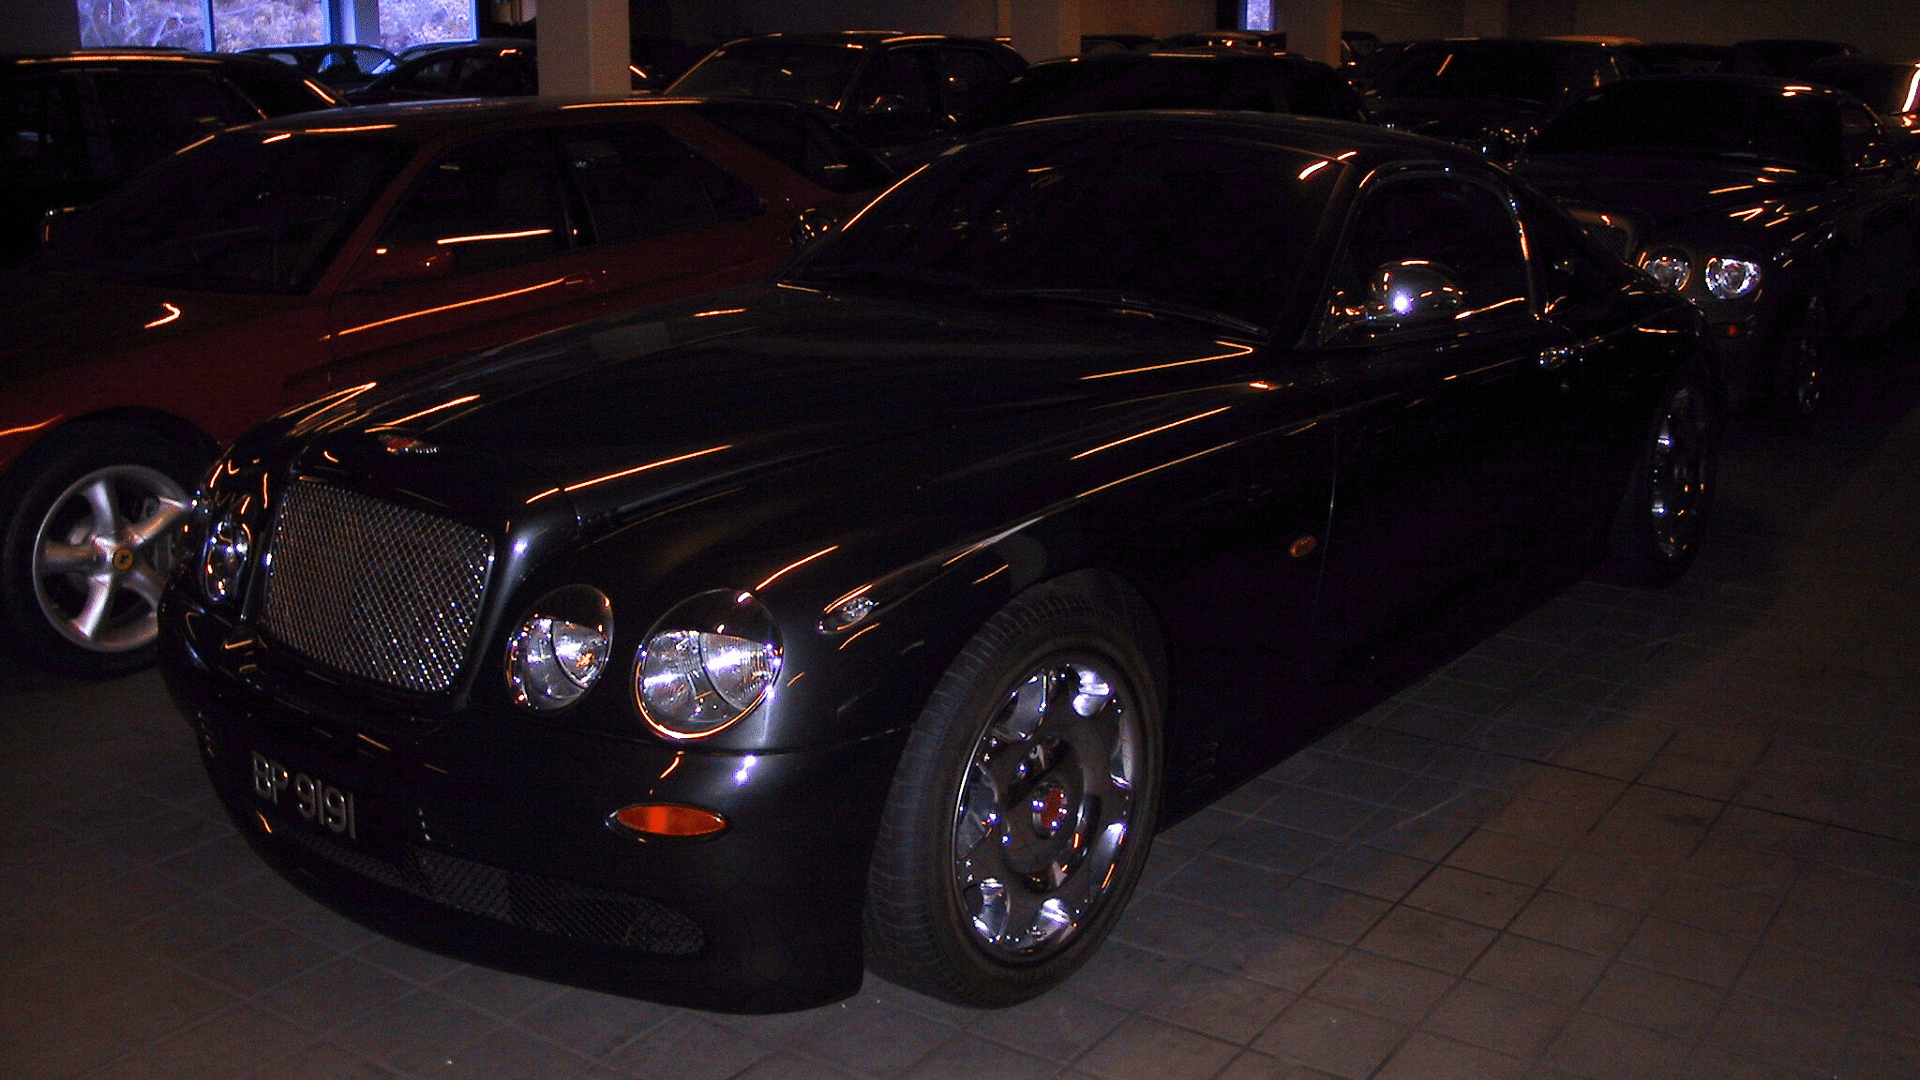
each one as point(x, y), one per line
point(1284, 496)
point(1825, 199)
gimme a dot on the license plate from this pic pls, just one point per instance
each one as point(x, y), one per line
point(315, 800)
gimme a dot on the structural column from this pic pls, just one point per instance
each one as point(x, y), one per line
point(356, 22)
point(1040, 29)
point(1484, 18)
point(1313, 27)
point(583, 48)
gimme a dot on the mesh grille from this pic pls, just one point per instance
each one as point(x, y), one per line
point(561, 908)
point(376, 590)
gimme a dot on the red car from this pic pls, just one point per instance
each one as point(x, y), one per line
point(306, 256)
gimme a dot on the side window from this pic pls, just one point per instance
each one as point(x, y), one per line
point(435, 76)
point(640, 181)
point(1446, 229)
point(272, 92)
point(901, 89)
point(1573, 267)
point(46, 142)
point(1857, 131)
point(495, 76)
point(968, 79)
point(151, 114)
point(494, 202)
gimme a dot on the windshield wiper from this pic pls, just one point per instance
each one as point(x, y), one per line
point(1116, 298)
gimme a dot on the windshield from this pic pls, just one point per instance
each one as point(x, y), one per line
point(1135, 213)
point(1523, 76)
point(1699, 120)
point(242, 212)
point(811, 74)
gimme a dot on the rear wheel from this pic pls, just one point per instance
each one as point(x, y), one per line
point(92, 538)
point(1669, 499)
point(1806, 361)
point(1025, 801)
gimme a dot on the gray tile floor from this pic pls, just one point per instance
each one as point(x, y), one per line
point(1634, 835)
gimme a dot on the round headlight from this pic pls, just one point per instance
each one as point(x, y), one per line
point(560, 647)
point(223, 555)
point(708, 663)
point(1730, 279)
point(1668, 267)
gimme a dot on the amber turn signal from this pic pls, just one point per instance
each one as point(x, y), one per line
point(668, 819)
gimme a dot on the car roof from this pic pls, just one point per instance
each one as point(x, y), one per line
point(1359, 144)
point(1183, 56)
point(423, 120)
point(860, 37)
point(1757, 84)
point(134, 54)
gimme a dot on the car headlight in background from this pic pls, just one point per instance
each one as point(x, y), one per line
point(560, 647)
point(1730, 279)
point(708, 663)
point(1668, 266)
point(223, 555)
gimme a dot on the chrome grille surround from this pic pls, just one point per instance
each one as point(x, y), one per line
point(380, 591)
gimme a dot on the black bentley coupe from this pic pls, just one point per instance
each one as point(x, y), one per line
point(875, 617)
point(1789, 213)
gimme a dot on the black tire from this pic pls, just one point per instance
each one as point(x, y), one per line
point(970, 902)
point(1669, 498)
point(1806, 368)
point(90, 537)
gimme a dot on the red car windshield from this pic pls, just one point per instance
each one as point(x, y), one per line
point(243, 212)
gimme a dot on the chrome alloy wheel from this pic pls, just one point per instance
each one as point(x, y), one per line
point(102, 554)
point(1806, 356)
point(1043, 814)
point(1678, 470)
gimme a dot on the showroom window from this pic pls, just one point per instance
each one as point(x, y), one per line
point(230, 25)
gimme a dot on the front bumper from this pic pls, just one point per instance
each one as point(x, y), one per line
point(489, 841)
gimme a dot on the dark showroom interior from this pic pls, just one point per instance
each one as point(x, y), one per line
point(1106, 597)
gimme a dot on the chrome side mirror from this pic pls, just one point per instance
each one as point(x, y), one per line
point(1412, 292)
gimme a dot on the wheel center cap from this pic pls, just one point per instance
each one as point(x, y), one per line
point(123, 559)
point(1050, 809)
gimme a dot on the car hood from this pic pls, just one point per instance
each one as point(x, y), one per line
point(623, 413)
point(1660, 195)
point(58, 321)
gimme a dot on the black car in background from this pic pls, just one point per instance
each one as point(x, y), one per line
point(1237, 79)
point(1681, 58)
point(78, 124)
point(1489, 93)
point(883, 611)
point(340, 66)
point(905, 96)
point(488, 67)
point(1788, 213)
point(1890, 86)
point(1791, 58)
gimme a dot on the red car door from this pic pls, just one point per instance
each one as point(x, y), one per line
point(667, 220)
point(480, 251)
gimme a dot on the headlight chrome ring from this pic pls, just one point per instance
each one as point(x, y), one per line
point(560, 648)
point(1668, 266)
point(709, 662)
point(1728, 278)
